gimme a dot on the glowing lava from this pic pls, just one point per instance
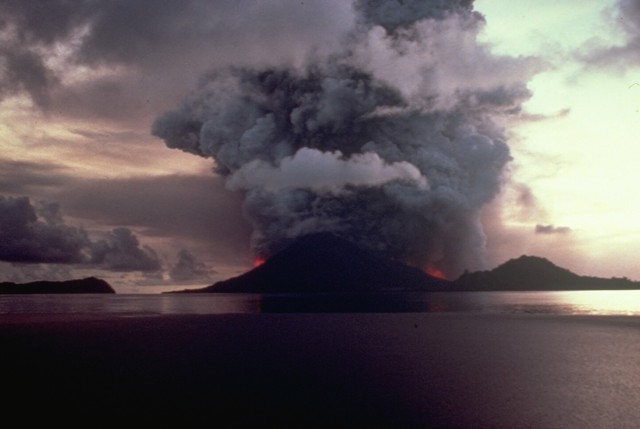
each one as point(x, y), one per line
point(434, 271)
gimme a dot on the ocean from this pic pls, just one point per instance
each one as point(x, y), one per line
point(472, 360)
point(612, 303)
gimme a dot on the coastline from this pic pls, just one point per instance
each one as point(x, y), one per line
point(382, 370)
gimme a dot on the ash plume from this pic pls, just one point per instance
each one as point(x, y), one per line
point(391, 142)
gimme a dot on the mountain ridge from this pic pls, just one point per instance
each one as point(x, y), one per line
point(325, 263)
point(85, 285)
point(535, 273)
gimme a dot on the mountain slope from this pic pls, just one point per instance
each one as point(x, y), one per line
point(323, 262)
point(535, 273)
point(87, 285)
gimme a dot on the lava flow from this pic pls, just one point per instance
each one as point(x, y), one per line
point(434, 271)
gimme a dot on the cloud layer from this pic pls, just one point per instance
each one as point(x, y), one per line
point(36, 233)
point(120, 59)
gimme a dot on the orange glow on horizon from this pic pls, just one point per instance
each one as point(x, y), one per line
point(259, 260)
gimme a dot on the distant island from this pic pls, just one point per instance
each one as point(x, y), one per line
point(326, 263)
point(323, 263)
point(86, 285)
point(531, 273)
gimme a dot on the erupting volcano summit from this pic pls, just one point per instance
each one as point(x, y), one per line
point(390, 142)
point(323, 262)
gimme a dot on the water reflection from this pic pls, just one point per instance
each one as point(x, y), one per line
point(206, 304)
point(129, 304)
point(604, 302)
point(345, 303)
point(617, 302)
point(621, 303)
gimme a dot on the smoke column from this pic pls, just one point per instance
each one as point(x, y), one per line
point(391, 142)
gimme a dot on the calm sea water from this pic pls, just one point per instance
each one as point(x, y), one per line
point(619, 303)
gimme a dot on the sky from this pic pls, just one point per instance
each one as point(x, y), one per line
point(143, 142)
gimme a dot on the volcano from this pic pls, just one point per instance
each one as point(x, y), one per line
point(324, 262)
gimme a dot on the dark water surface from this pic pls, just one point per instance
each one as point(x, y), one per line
point(542, 360)
point(616, 303)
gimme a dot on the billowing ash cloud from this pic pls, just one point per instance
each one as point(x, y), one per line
point(390, 142)
point(392, 14)
point(323, 172)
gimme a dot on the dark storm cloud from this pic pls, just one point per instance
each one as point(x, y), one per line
point(392, 14)
point(121, 251)
point(28, 29)
point(197, 210)
point(411, 92)
point(116, 98)
point(188, 268)
point(143, 32)
point(36, 233)
point(551, 229)
point(25, 71)
point(624, 16)
point(191, 208)
point(44, 22)
point(24, 273)
point(158, 49)
point(27, 237)
point(525, 201)
point(32, 178)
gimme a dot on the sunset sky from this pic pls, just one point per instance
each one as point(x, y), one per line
point(87, 189)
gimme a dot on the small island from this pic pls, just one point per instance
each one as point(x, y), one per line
point(86, 285)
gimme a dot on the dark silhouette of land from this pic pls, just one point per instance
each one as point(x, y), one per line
point(86, 285)
point(374, 369)
point(532, 273)
point(325, 263)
